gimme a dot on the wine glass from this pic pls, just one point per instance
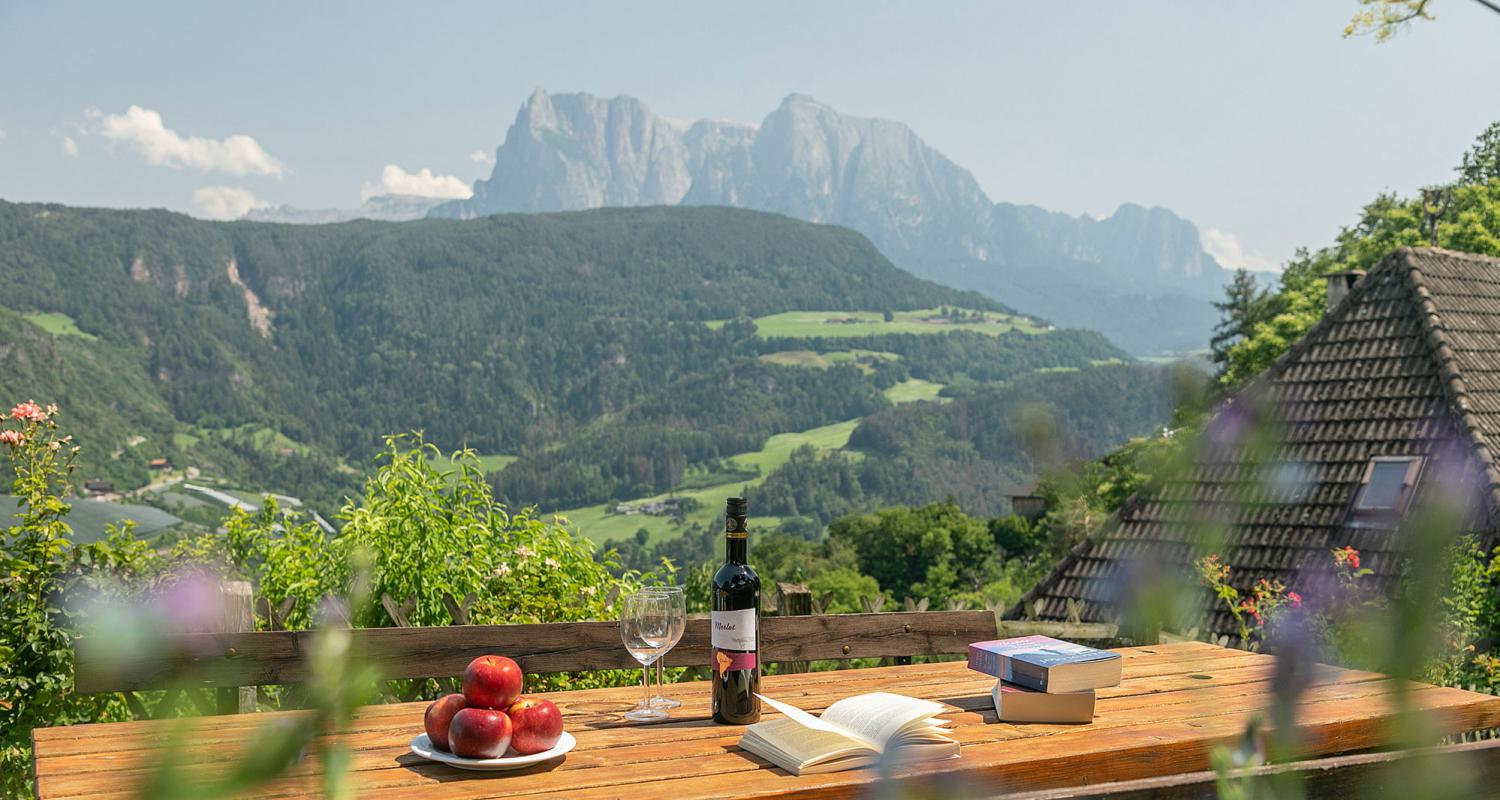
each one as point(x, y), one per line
point(645, 628)
point(679, 625)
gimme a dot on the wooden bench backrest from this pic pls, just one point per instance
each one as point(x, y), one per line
point(276, 657)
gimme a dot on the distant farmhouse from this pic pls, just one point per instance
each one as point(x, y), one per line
point(1393, 394)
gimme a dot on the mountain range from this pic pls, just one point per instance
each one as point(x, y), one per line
point(1140, 275)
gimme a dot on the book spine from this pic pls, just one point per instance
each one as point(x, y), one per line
point(1006, 669)
point(984, 661)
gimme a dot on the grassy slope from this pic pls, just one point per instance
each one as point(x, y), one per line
point(912, 390)
point(600, 522)
point(814, 324)
point(59, 325)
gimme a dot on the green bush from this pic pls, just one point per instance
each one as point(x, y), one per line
point(423, 531)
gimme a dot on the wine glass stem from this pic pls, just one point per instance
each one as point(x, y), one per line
point(646, 685)
point(660, 677)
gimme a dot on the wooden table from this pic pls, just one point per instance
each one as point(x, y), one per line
point(1176, 702)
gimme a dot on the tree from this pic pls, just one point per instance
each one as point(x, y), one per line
point(1244, 306)
point(1469, 221)
point(1385, 18)
point(935, 551)
point(1482, 163)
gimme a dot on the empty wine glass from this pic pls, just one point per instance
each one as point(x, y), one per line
point(679, 625)
point(645, 628)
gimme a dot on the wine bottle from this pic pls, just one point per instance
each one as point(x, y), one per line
point(736, 626)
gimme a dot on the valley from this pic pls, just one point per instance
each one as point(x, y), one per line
point(625, 368)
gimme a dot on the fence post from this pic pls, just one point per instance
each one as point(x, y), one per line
point(793, 600)
point(238, 617)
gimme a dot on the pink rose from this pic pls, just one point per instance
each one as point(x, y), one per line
point(28, 411)
point(12, 438)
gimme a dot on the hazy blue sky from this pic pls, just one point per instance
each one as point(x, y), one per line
point(1252, 118)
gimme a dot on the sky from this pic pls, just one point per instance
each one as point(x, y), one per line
point(1257, 120)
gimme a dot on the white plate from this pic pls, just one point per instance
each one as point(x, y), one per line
point(422, 746)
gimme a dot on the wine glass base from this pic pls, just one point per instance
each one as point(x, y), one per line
point(645, 715)
point(665, 703)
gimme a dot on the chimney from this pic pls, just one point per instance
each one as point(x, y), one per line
point(1340, 284)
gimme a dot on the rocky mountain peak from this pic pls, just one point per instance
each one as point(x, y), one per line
point(1140, 275)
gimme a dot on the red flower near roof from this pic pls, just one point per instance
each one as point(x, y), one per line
point(1346, 556)
point(1294, 600)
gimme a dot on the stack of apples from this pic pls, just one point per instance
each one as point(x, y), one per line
point(491, 716)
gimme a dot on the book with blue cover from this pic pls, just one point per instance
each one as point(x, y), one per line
point(1046, 664)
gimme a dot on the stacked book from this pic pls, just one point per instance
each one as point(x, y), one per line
point(1042, 679)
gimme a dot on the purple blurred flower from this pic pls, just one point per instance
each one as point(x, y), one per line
point(193, 603)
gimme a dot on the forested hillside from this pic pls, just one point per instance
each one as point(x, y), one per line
point(278, 355)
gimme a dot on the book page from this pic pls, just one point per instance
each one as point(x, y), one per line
point(876, 718)
point(801, 716)
point(804, 745)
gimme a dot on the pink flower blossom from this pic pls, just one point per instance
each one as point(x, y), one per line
point(523, 551)
point(29, 412)
point(552, 563)
point(502, 571)
point(1294, 600)
point(12, 438)
point(1346, 556)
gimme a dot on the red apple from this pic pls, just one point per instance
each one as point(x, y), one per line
point(439, 716)
point(536, 725)
point(492, 682)
point(479, 733)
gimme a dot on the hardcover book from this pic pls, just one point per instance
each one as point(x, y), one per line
point(1018, 704)
point(1046, 664)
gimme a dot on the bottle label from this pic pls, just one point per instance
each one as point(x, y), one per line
point(733, 630)
point(734, 527)
point(725, 661)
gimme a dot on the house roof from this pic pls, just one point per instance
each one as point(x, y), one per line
point(1407, 365)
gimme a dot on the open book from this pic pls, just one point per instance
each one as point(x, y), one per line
point(854, 732)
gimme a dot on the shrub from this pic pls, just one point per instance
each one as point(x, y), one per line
point(421, 532)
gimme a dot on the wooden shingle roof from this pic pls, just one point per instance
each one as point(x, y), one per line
point(1407, 365)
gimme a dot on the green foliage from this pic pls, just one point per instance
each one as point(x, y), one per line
point(691, 424)
point(989, 437)
point(1245, 305)
point(428, 526)
point(1482, 163)
point(1470, 622)
point(523, 329)
point(1017, 536)
point(35, 650)
point(935, 551)
point(44, 578)
point(1259, 329)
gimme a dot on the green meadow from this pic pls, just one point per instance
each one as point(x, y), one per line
point(827, 324)
point(58, 325)
point(600, 522)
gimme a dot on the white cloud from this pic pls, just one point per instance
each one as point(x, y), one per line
point(226, 202)
point(478, 157)
point(1226, 248)
point(422, 183)
point(2, 134)
point(69, 147)
point(143, 130)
